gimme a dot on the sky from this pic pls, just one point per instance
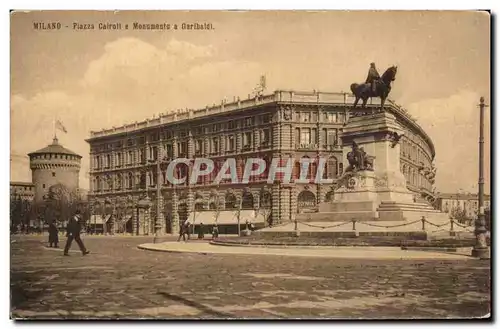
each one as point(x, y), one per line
point(94, 79)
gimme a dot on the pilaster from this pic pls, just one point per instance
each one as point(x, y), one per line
point(175, 212)
point(276, 202)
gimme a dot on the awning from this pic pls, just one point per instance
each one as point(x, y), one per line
point(96, 220)
point(225, 217)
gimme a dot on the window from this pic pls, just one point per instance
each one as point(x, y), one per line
point(331, 117)
point(305, 116)
point(248, 122)
point(231, 125)
point(266, 136)
point(198, 131)
point(231, 143)
point(198, 146)
point(53, 174)
point(215, 145)
point(247, 139)
point(305, 136)
point(266, 118)
point(170, 151)
point(332, 137)
point(43, 185)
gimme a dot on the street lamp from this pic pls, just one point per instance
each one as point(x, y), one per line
point(142, 204)
point(481, 249)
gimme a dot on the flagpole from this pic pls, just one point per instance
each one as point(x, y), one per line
point(54, 126)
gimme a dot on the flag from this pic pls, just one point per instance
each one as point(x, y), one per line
point(60, 126)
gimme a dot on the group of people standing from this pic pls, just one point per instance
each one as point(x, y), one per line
point(185, 228)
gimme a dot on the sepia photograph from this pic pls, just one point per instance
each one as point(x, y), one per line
point(250, 164)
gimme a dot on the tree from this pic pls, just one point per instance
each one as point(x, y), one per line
point(460, 215)
point(264, 207)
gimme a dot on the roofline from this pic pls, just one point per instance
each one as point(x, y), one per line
point(278, 96)
point(65, 153)
point(22, 183)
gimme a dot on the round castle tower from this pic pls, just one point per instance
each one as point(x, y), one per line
point(53, 165)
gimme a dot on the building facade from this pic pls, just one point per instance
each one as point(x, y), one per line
point(22, 191)
point(129, 163)
point(469, 202)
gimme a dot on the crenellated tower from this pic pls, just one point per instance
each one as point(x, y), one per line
point(54, 165)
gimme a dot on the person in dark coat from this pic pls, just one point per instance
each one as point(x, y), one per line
point(201, 231)
point(73, 233)
point(53, 235)
point(182, 231)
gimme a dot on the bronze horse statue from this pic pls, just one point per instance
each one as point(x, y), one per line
point(382, 88)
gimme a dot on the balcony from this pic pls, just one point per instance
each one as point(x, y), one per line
point(332, 147)
point(305, 146)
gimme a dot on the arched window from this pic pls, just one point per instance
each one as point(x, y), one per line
point(306, 200)
point(230, 201)
point(98, 179)
point(265, 200)
point(247, 201)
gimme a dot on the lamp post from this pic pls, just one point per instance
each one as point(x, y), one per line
point(142, 204)
point(481, 249)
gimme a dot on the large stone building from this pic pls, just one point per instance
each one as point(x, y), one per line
point(129, 162)
point(54, 165)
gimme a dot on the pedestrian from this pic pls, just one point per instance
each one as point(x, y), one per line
point(182, 232)
point(201, 232)
point(53, 235)
point(73, 233)
point(215, 232)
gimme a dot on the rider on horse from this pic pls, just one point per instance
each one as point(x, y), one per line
point(373, 76)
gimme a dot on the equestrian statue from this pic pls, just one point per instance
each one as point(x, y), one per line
point(374, 86)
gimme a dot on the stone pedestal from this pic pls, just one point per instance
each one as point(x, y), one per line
point(380, 194)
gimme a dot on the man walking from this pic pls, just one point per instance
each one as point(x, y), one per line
point(73, 233)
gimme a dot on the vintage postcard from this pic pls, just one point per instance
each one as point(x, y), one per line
point(250, 165)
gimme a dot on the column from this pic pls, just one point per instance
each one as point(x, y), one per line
point(190, 147)
point(175, 212)
point(284, 195)
point(256, 138)
point(293, 202)
point(175, 150)
point(321, 193)
point(238, 142)
point(276, 203)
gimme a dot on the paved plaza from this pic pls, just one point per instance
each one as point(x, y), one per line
point(118, 280)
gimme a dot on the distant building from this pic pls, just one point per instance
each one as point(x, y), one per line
point(22, 191)
point(470, 202)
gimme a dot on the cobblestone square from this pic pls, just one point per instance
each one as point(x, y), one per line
point(117, 280)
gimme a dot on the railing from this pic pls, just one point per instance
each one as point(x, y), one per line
point(305, 146)
point(452, 222)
